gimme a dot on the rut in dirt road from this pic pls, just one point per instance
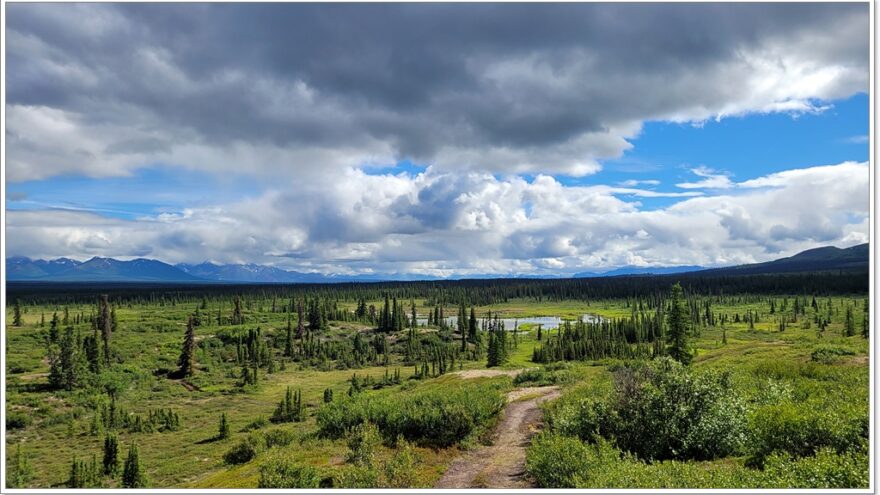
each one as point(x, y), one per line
point(502, 464)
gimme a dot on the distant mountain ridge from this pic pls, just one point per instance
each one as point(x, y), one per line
point(630, 270)
point(99, 269)
point(828, 258)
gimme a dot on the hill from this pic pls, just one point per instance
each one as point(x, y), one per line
point(98, 269)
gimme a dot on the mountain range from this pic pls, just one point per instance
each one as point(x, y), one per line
point(98, 269)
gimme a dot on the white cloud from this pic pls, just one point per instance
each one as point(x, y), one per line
point(635, 182)
point(711, 180)
point(441, 224)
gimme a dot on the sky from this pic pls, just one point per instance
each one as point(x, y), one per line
point(435, 139)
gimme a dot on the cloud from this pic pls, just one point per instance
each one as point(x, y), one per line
point(711, 180)
point(861, 139)
point(442, 223)
point(634, 182)
point(283, 91)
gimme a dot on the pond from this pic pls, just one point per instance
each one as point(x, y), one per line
point(546, 322)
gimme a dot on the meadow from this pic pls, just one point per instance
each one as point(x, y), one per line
point(378, 402)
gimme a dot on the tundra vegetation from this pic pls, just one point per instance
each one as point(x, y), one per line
point(747, 381)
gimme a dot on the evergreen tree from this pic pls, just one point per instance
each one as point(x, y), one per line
point(16, 314)
point(849, 327)
point(385, 318)
point(67, 363)
point(328, 395)
point(866, 320)
point(53, 328)
point(224, 427)
point(132, 473)
point(472, 326)
point(106, 327)
point(185, 362)
point(92, 349)
point(111, 455)
point(677, 333)
point(290, 409)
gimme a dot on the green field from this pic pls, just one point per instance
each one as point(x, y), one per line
point(799, 374)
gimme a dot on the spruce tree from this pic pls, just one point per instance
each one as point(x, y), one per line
point(106, 327)
point(224, 427)
point(16, 314)
point(132, 473)
point(53, 328)
point(67, 362)
point(237, 317)
point(472, 326)
point(866, 320)
point(849, 327)
point(111, 455)
point(676, 333)
point(185, 362)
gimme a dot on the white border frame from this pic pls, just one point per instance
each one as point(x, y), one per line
point(872, 296)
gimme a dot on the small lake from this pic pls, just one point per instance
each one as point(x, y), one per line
point(546, 322)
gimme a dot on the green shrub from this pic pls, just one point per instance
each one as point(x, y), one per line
point(278, 437)
point(17, 420)
point(661, 411)
point(800, 430)
point(827, 354)
point(279, 472)
point(357, 476)
point(256, 424)
point(827, 469)
point(772, 391)
point(245, 450)
point(363, 440)
point(399, 471)
point(557, 461)
point(437, 416)
point(539, 377)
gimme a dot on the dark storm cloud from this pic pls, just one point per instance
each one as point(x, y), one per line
point(516, 87)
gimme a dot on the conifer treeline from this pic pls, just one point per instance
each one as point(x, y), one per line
point(451, 292)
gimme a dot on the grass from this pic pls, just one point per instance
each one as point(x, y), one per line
point(149, 335)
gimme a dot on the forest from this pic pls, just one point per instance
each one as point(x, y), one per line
point(679, 381)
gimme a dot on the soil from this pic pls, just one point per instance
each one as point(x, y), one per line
point(502, 464)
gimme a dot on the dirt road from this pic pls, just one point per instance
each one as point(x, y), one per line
point(502, 464)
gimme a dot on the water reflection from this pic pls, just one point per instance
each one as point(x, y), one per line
point(546, 322)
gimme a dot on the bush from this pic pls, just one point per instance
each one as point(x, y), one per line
point(827, 469)
point(17, 420)
point(357, 477)
point(827, 354)
point(283, 473)
point(400, 469)
point(278, 437)
point(256, 424)
point(541, 377)
point(362, 443)
point(245, 450)
point(661, 411)
point(436, 416)
point(801, 431)
point(557, 461)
